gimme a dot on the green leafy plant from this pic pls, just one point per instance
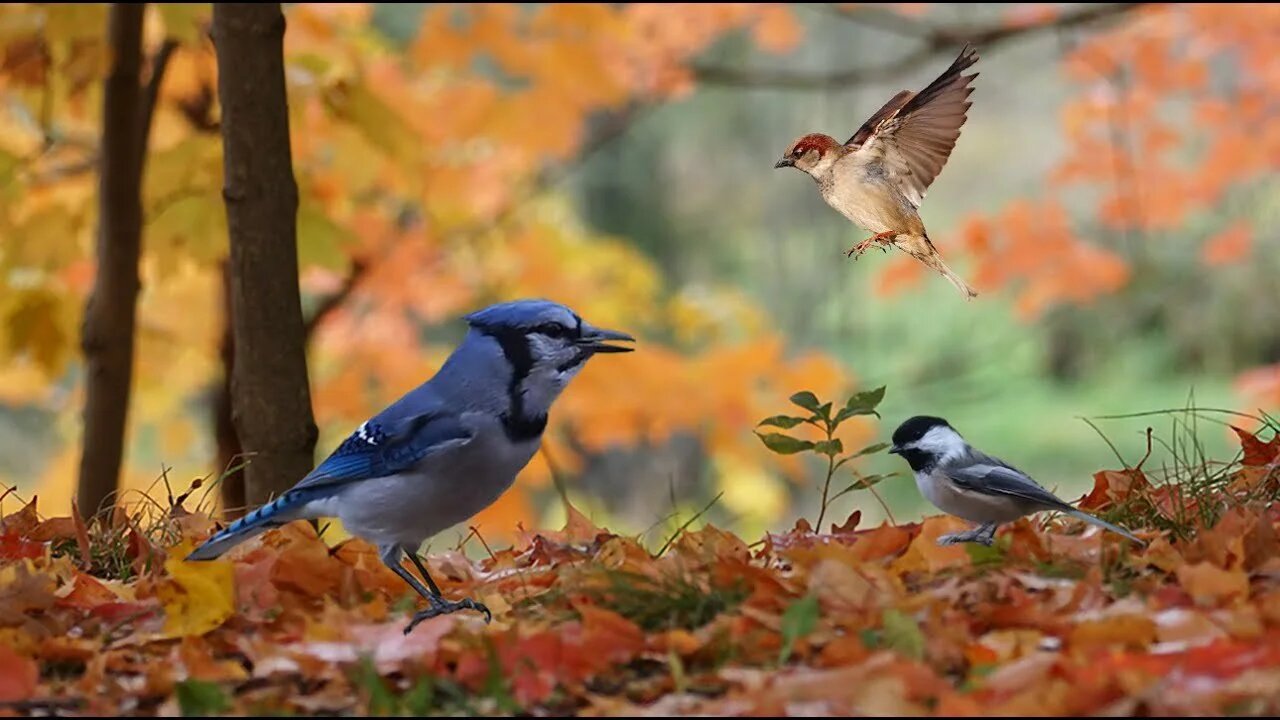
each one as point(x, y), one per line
point(830, 447)
point(799, 619)
point(198, 698)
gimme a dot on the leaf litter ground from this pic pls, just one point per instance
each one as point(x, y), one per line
point(1055, 618)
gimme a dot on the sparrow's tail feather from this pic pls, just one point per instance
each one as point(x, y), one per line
point(278, 512)
point(1106, 525)
point(935, 261)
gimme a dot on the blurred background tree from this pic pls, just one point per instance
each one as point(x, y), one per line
point(1111, 197)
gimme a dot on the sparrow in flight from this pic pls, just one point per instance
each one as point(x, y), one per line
point(878, 177)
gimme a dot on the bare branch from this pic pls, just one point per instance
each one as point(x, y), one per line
point(335, 300)
point(934, 41)
point(151, 92)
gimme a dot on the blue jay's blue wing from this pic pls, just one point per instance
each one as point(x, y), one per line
point(390, 443)
point(996, 478)
point(382, 447)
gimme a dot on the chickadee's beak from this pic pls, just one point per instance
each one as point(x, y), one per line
point(895, 450)
point(784, 162)
point(595, 339)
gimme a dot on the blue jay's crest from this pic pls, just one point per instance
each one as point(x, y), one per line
point(525, 315)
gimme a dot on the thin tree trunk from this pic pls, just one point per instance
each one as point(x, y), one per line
point(107, 333)
point(271, 401)
point(230, 454)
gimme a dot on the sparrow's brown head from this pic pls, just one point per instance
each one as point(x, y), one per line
point(809, 153)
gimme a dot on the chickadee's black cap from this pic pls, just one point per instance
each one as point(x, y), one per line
point(915, 428)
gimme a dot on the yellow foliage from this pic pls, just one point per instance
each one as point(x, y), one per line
point(197, 596)
point(428, 170)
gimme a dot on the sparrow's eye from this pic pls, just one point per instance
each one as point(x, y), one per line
point(797, 152)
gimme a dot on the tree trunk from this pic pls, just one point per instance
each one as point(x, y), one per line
point(107, 333)
point(230, 454)
point(271, 401)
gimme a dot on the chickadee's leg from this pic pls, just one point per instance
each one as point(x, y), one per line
point(990, 536)
point(983, 535)
point(878, 239)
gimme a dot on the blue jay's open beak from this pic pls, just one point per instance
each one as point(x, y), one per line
point(784, 162)
point(895, 450)
point(595, 339)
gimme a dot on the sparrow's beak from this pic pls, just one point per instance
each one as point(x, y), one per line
point(595, 339)
point(895, 450)
point(784, 162)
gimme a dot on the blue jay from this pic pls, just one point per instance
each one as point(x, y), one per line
point(965, 482)
point(448, 448)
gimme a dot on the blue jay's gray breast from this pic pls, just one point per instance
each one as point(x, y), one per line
point(443, 491)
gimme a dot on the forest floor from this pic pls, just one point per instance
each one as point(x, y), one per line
point(1055, 618)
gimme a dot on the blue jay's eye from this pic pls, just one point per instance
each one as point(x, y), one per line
point(554, 330)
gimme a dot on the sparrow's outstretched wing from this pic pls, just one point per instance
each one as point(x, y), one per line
point(913, 134)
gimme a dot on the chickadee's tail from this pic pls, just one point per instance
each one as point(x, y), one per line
point(1106, 525)
point(282, 510)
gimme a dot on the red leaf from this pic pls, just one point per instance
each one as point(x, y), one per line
point(1112, 486)
point(88, 594)
point(18, 676)
point(13, 547)
point(22, 522)
point(1256, 452)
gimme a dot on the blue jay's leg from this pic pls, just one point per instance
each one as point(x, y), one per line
point(435, 589)
point(983, 535)
point(391, 555)
point(438, 605)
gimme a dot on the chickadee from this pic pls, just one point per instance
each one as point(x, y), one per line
point(963, 481)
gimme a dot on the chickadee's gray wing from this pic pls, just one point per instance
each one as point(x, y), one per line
point(995, 478)
point(991, 476)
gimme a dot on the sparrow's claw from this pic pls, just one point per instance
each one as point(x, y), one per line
point(878, 240)
point(440, 606)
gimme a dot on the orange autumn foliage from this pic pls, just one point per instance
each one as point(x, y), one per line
point(423, 166)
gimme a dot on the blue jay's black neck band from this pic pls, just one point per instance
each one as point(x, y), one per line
point(578, 358)
point(518, 426)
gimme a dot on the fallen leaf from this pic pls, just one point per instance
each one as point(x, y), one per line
point(1210, 585)
point(1256, 452)
point(19, 676)
point(197, 596)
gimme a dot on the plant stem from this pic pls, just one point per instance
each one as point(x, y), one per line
point(826, 487)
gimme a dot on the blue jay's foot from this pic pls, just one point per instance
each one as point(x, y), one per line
point(440, 606)
point(983, 535)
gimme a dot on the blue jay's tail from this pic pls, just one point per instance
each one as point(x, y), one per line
point(274, 514)
point(1106, 525)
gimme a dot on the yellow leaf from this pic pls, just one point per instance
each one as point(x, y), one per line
point(1209, 584)
point(321, 242)
point(184, 21)
point(193, 226)
point(76, 21)
point(199, 595)
point(38, 323)
point(381, 124)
